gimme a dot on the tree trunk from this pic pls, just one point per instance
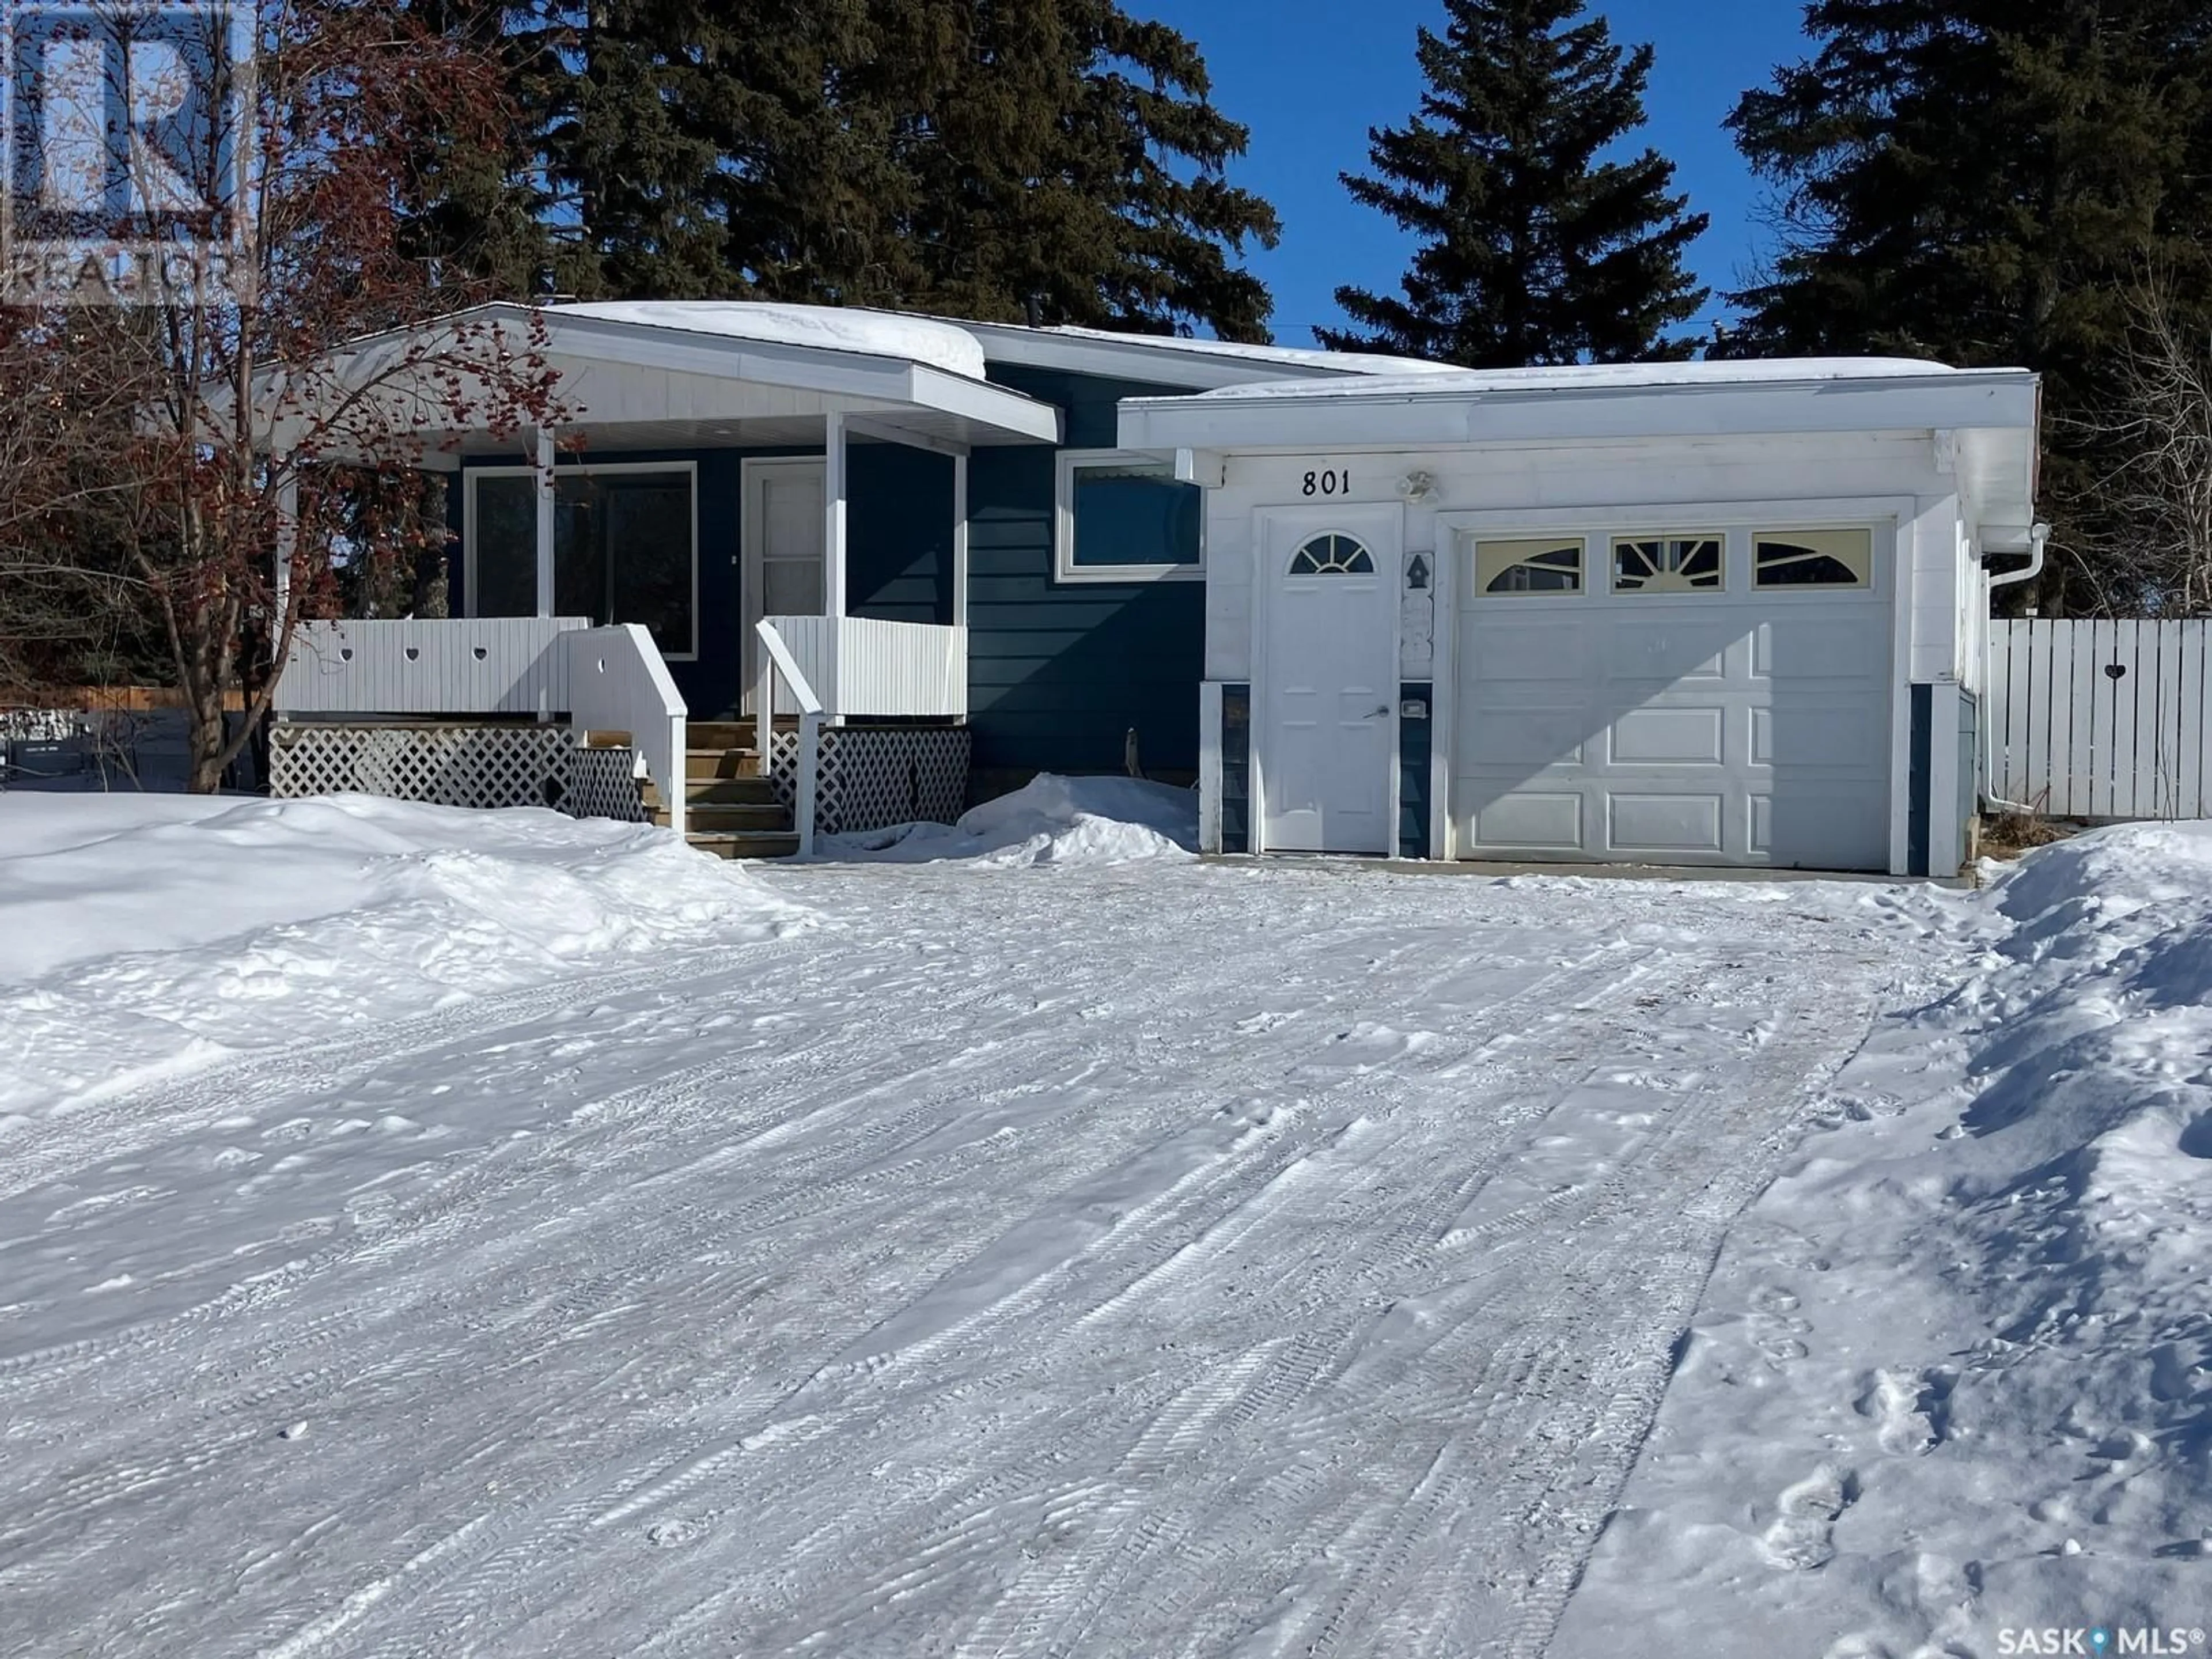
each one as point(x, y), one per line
point(207, 739)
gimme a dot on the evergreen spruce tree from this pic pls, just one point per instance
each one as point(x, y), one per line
point(966, 156)
point(1067, 154)
point(1985, 183)
point(1536, 246)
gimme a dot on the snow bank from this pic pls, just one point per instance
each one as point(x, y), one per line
point(143, 930)
point(1050, 820)
point(1954, 1376)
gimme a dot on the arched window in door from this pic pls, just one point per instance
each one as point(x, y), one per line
point(1332, 556)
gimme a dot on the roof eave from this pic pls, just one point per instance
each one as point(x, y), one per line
point(1449, 417)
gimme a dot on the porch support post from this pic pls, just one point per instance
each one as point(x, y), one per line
point(833, 561)
point(833, 510)
point(545, 477)
point(960, 541)
point(288, 540)
point(809, 780)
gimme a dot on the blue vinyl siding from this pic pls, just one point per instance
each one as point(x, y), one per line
point(1415, 737)
point(898, 533)
point(1921, 780)
point(1059, 675)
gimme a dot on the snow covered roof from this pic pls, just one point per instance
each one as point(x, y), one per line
point(961, 347)
point(1333, 364)
point(1994, 413)
point(1437, 379)
point(1176, 360)
point(831, 328)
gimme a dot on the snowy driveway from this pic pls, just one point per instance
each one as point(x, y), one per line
point(1166, 1259)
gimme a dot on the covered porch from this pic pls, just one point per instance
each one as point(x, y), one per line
point(774, 500)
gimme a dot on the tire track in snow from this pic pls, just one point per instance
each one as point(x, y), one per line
point(1156, 1517)
point(1345, 1280)
point(442, 1212)
point(106, 1125)
point(1227, 1192)
point(464, 1578)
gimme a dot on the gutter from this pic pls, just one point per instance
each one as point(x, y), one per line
point(2038, 536)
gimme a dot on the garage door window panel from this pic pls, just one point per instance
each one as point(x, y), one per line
point(1669, 563)
point(1803, 559)
point(1540, 565)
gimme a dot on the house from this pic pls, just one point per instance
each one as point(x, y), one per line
point(880, 564)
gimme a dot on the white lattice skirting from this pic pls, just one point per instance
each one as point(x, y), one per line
point(875, 776)
point(484, 766)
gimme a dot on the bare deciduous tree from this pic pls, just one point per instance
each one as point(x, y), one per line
point(179, 431)
point(2143, 521)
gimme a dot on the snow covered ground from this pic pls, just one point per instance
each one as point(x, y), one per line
point(1952, 1384)
point(1088, 1256)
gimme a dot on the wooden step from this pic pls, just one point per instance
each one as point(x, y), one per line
point(746, 843)
point(730, 791)
point(713, 791)
point(713, 816)
point(731, 734)
point(721, 763)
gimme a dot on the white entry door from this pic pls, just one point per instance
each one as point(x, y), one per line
point(784, 537)
point(1329, 675)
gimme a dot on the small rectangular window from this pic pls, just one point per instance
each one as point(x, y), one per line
point(1669, 564)
point(1542, 564)
point(1127, 517)
point(1813, 558)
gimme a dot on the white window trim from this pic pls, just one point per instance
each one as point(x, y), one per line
point(688, 468)
point(1064, 567)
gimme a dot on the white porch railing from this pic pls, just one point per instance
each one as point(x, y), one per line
point(603, 678)
point(618, 683)
point(493, 665)
point(826, 668)
point(860, 666)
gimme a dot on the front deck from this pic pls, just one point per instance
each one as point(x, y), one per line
point(862, 726)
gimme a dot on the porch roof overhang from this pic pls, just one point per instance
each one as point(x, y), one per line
point(645, 377)
point(1989, 420)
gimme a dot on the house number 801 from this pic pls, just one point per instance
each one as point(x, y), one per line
point(1331, 482)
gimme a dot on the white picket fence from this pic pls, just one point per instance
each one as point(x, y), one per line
point(2099, 719)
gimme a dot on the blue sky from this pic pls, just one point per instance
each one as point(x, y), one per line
point(1310, 77)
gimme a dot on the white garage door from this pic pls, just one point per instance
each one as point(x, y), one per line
point(1642, 698)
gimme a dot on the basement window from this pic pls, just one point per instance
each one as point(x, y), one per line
point(1123, 518)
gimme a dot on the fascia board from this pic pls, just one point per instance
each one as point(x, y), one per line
point(1447, 418)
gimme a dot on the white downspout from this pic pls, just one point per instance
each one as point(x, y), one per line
point(2038, 536)
point(2035, 538)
